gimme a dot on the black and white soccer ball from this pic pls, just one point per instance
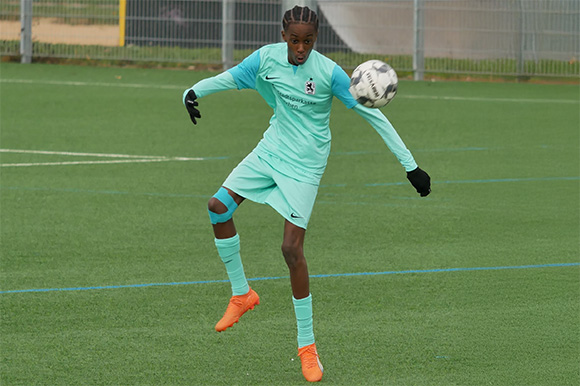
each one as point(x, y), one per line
point(373, 83)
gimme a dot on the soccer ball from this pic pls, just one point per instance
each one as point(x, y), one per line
point(373, 83)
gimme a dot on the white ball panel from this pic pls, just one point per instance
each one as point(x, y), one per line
point(373, 83)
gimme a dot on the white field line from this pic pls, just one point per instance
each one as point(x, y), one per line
point(480, 99)
point(125, 161)
point(77, 154)
point(94, 84)
point(124, 158)
point(172, 87)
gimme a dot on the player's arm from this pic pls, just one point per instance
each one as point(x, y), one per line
point(386, 130)
point(340, 85)
point(241, 76)
point(418, 178)
point(221, 82)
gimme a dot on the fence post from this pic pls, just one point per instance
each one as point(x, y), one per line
point(419, 41)
point(228, 32)
point(520, 40)
point(122, 22)
point(26, 31)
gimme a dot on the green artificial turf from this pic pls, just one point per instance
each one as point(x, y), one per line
point(109, 275)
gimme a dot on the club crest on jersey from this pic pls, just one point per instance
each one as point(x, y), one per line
point(310, 87)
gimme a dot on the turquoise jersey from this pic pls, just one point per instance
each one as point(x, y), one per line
point(297, 142)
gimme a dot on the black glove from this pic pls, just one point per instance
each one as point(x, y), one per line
point(190, 103)
point(420, 181)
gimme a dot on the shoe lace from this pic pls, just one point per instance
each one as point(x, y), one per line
point(309, 357)
point(236, 302)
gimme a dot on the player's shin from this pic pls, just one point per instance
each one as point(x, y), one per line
point(228, 247)
point(229, 252)
point(311, 367)
point(303, 311)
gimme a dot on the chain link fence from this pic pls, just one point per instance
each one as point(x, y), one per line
point(488, 37)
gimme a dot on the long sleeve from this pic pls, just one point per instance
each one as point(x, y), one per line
point(386, 130)
point(221, 82)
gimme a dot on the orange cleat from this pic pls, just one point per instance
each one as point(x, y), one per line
point(238, 306)
point(311, 366)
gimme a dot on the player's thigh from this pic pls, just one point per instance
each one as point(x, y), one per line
point(293, 199)
point(251, 179)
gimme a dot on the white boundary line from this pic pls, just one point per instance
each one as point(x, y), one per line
point(86, 162)
point(170, 87)
point(93, 84)
point(125, 158)
point(77, 154)
point(480, 99)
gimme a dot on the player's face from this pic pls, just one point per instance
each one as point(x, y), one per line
point(300, 38)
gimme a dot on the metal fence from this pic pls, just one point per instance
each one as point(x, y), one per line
point(497, 37)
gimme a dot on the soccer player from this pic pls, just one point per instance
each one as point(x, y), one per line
point(285, 168)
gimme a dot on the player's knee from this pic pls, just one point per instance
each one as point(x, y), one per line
point(221, 207)
point(293, 253)
point(216, 206)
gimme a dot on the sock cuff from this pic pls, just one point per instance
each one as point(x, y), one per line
point(302, 302)
point(303, 307)
point(227, 247)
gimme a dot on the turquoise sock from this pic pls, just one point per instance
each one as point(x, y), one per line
point(229, 251)
point(303, 310)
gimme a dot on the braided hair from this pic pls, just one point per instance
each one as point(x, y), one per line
point(299, 15)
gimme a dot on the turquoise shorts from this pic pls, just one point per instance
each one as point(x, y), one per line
point(256, 180)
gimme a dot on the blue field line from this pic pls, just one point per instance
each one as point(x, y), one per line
point(492, 180)
point(112, 192)
point(204, 196)
point(436, 270)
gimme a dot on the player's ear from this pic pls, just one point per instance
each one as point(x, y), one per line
point(283, 35)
